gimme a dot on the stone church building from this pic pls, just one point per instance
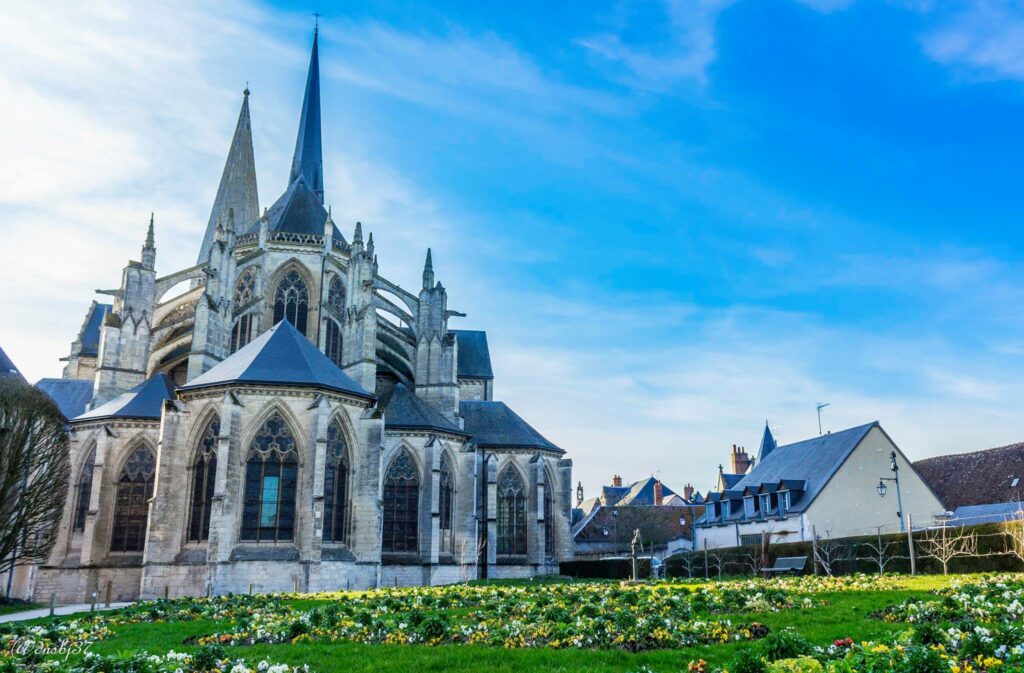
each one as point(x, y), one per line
point(291, 420)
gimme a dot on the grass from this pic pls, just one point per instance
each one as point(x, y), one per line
point(836, 615)
point(10, 608)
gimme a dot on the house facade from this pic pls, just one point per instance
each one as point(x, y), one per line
point(826, 486)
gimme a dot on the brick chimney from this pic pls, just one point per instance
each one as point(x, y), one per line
point(688, 492)
point(616, 481)
point(657, 493)
point(740, 460)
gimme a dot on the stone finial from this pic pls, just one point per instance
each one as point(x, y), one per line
point(428, 272)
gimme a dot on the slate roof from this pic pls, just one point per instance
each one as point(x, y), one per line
point(144, 401)
point(474, 355)
point(71, 395)
point(999, 512)
point(639, 493)
point(404, 410)
point(730, 479)
point(91, 332)
point(297, 211)
point(280, 356)
point(308, 160)
point(768, 443)
point(814, 460)
point(494, 424)
point(976, 478)
point(7, 367)
point(657, 525)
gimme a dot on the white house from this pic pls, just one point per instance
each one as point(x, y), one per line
point(829, 486)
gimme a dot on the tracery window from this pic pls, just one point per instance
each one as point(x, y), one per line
point(291, 301)
point(271, 480)
point(446, 506)
point(241, 332)
point(245, 288)
point(336, 294)
point(84, 491)
point(549, 513)
point(204, 474)
point(336, 486)
point(401, 505)
point(511, 513)
point(131, 507)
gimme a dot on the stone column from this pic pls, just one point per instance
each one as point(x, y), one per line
point(537, 554)
point(227, 491)
point(491, 468)
point(321, 423)
point(432, 454)
point(91, 548)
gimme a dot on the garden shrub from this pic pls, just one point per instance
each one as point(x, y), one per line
point(785, 644)
point(797, 665)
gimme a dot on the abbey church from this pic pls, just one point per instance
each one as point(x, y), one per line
point(292, 420)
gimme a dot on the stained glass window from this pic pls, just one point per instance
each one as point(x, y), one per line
point(245, 288)
point(204, 474)
point(271, 481)
point(336, 486)
point(332, 348)
point(401, 504)
point(131, 507)
point(511, 513)
point(241, 332)
point(336, 294)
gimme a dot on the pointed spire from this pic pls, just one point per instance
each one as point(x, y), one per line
point(428, 272)
point(369, 246)
point(308, 159)
point(149, 247)
point(357, 237)
point(768, 443)
point(237, 188)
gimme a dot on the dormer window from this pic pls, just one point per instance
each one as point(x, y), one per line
point(748, 506)
point(766, 507)
point(726, 509)
point(784, 502)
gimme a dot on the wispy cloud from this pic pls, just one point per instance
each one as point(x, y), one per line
point(983, 41)
point(684, 55)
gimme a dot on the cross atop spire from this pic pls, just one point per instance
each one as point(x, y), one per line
point(308, 159)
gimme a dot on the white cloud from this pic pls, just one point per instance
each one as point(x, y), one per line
point(985, 41)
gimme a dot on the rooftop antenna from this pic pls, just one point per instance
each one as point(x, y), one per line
point(820, 406)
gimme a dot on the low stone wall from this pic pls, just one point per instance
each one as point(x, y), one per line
point(76, 585)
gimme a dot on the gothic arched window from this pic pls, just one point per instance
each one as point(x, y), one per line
point(549, 513)
point(336, 294)
point(271, 480)
point(511, 513)
point(131, 508)
point(241, 332)
point(336, 486)
point(401, 505)
point(204, 474)
point(446, 506)
point(291, 301)
point(245, 288)
point(332, 347)
point(84, 491)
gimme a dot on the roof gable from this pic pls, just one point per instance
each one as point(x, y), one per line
point(297, 211)
point(279, 356)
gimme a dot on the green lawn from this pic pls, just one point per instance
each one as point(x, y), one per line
point(8, 608)
point(836, 615)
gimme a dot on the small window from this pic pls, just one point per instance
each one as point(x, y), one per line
point(784, 502)
point(1013, 484)
point(748, 506)
point(766, 500)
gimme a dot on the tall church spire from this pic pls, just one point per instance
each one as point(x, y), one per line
point(308, 160)
point(237, 190)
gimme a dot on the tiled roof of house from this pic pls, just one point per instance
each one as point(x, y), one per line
point(616, 524)
point(280, 356)
point(976, 478)
point(7, 367)
point(813, 460)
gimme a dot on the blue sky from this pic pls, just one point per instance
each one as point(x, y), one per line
point(674, 218)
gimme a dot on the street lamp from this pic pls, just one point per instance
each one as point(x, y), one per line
point(882, 488)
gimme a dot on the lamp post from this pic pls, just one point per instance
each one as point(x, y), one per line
point(882, 488)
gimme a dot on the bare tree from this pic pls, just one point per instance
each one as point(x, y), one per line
point(881, 550)
point(715, 561)
point(944, 545)
point(34, 468)
point(829, 552)
point(686, 560)
point(469, 556)
point(755, 559)
point(1015, 534)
